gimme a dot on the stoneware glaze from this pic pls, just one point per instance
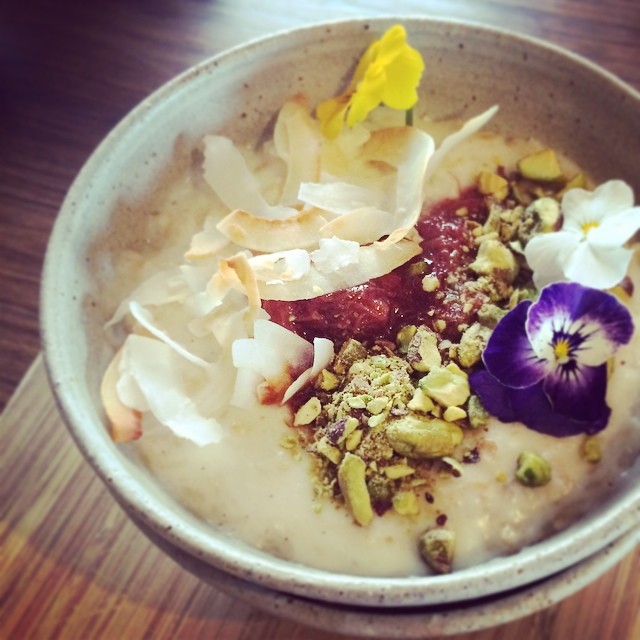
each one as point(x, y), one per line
point(544, 92)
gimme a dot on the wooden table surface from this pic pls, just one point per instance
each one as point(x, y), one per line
point(71, 564)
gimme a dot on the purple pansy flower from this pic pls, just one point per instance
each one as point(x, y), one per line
point(546, 360)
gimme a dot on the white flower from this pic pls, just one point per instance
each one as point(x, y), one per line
point(589, 249)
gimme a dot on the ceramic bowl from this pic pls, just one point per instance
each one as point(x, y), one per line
point(543, 91)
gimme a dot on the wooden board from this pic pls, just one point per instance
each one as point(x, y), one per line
point(74, 566)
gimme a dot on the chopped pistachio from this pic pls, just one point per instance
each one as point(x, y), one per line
point(353, 440)
point(331, 453)
point(405, 503)
point(472, 344)
point(423, 353)
point(457, 468)
point(403, 338)
point(478, 415)
point(502, 477)
point(448, 385)
point(590, 449)
point(430, 283)
point(492, 184)
point(542, 215)
point(350, 352)
point(436, 548)
point(358, 402)
point(490, 314)
point(579, 181)
point(451, 414)
point(420, 401)
point(495, 258)
point(327, 380)
point(422, 437)
point(377, 405)
point(308, 412)
point(376, 421)
point(542, 166)
point(351, 479)
point(350, 425)
point(533, 470)
point(395, 471)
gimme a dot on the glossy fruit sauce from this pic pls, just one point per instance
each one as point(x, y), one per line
point(377, 309)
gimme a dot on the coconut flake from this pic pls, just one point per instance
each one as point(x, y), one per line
point(282, 266)
point(341, 197)
point(335, 253)
point(323, 352)
point(145, 319)
point(266, 235)
point(297, 140)
point(226, 172)
point(468, 129)
point(373, 261)
point(159, 372)
point(275, 354)
point(208, 242)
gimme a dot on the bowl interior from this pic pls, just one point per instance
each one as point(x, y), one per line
point(543, 92)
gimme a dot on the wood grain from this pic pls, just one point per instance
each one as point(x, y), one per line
point(72, 565)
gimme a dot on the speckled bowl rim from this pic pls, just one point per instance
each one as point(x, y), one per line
point(188, 533)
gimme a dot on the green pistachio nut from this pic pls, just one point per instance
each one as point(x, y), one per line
point(448, 386)
point(533, 470)
point(436, 548)
point(423, 437)
point(352, 482)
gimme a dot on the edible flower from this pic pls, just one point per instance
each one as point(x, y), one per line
point(389, 73)
point(589, 249)
point(546, 360)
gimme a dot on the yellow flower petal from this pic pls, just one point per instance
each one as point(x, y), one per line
point(388, 72)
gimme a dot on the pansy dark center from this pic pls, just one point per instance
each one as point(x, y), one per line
point(562, 350)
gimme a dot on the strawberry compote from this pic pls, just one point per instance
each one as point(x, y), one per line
point(377, 309)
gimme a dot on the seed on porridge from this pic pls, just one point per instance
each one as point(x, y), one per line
point(533, 470)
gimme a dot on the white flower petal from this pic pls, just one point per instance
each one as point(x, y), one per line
point(546, 254)
point(615, 230)
point(581, 207)
point(597, 268)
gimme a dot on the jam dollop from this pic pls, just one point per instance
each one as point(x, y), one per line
point(377, 309)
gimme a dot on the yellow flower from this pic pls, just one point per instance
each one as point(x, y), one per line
point(388, 73)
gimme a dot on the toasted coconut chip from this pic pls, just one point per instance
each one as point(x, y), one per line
point(145, 319)
point(226, 172)
point(282, 266)
point(323, 352)
point(297, 140)
point(468, 129)
point(126, 423)
point(341, 197)
point(240, 264)
point(335, 253)
point(161, 288)
point(404, 150)
point(373, 261)
point(274, 354)
point(208, 242)
point(159, 374)
point(264, 235)
point(364, 225)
